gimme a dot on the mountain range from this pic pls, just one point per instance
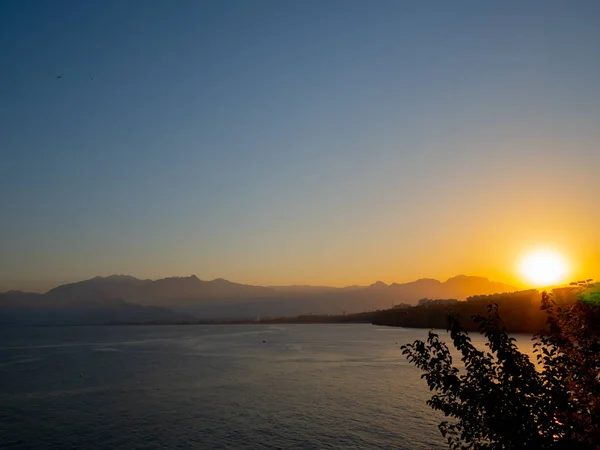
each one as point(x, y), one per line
point(126, 299)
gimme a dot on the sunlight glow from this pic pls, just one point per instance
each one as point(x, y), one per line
point(543, 267)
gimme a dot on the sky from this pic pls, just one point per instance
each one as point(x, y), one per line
point(297, 142)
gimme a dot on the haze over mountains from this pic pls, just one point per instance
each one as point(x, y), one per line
point(126, 299)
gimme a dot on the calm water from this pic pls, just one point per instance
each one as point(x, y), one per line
point(202, 387)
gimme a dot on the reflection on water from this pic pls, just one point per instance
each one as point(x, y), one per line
point(257, 386)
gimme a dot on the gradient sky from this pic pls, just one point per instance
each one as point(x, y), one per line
point(293, 142)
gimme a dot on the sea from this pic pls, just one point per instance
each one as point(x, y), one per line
point(325, 386)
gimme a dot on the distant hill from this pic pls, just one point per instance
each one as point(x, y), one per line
point(382, 296)
point(177, 297)
point(27, 309)
point(520, 312)
point(165, 291)
point(98, 288)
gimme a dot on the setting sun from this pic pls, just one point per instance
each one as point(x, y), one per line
point(543, 267)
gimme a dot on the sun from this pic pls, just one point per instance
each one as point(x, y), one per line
point(544, 267)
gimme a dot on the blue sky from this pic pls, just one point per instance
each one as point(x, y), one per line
point(274, 142)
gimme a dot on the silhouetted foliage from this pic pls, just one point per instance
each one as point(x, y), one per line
point(520, 311)
point(501, 399)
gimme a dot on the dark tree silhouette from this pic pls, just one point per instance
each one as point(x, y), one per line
point(501, 399)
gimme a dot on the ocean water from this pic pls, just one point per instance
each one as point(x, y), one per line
point(212, 387)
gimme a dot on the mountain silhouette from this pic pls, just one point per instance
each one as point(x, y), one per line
point(23, 308)
point(174, 298)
